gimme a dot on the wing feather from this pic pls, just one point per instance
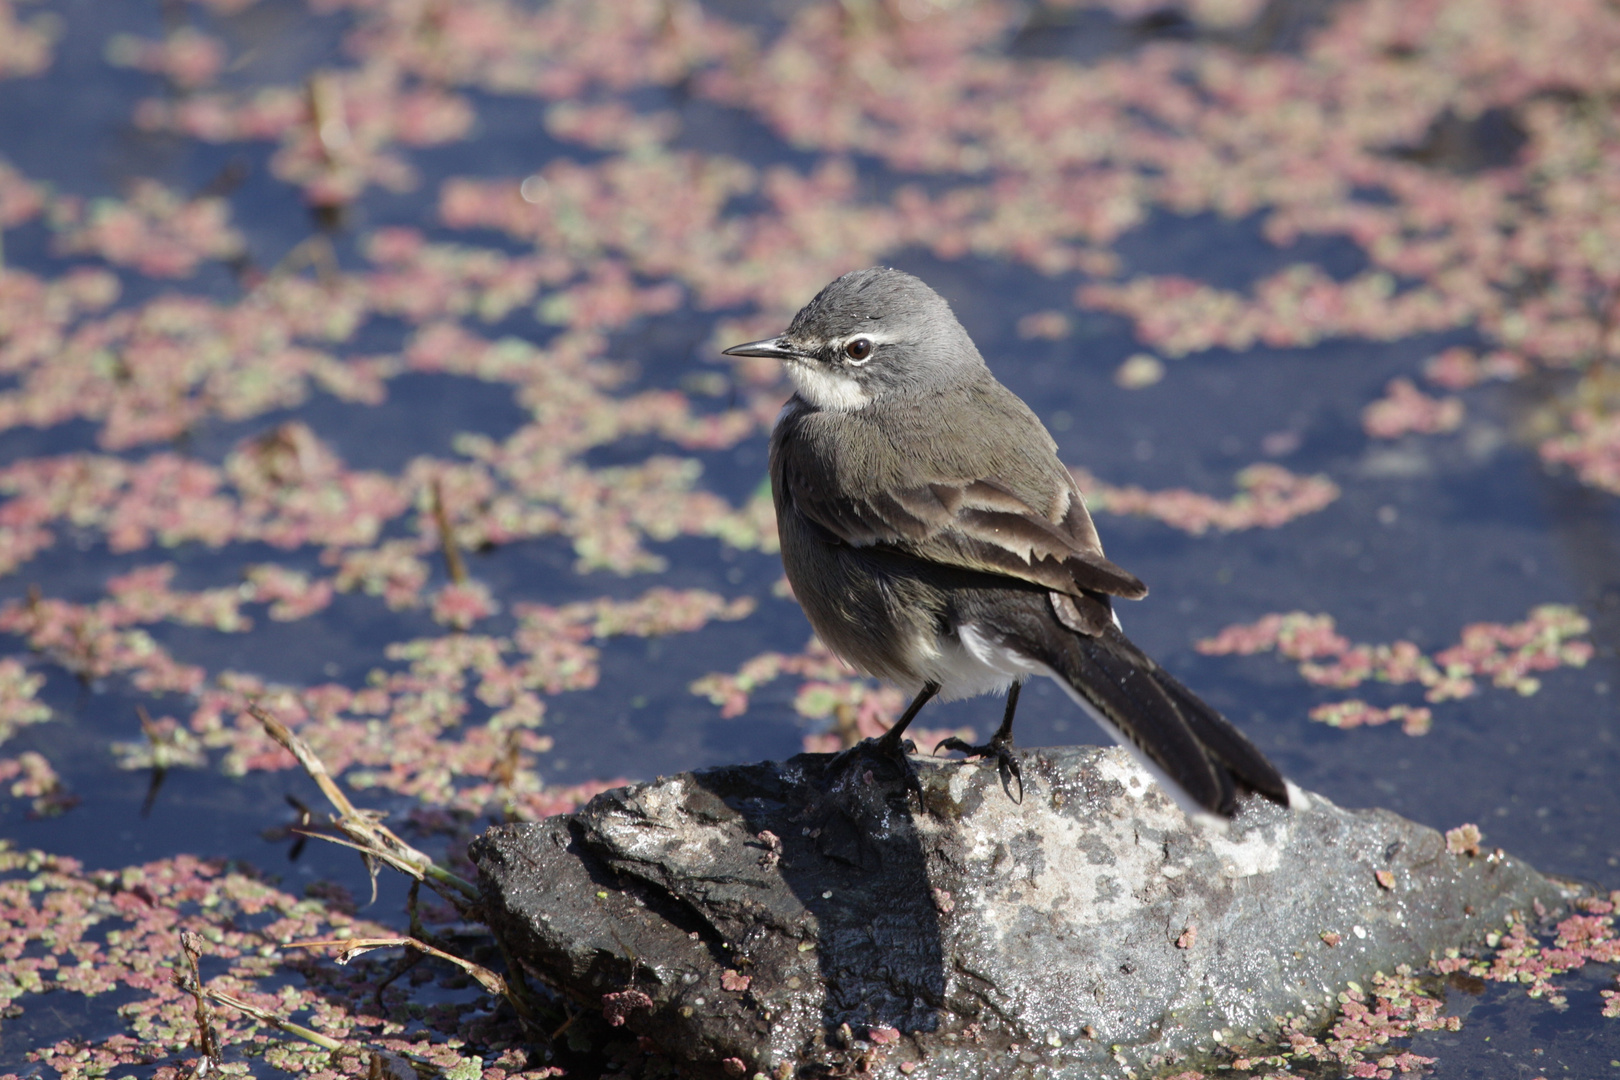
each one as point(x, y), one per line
point(973, 522)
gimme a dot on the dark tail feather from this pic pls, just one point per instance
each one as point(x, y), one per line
point(1132, 704)
point(1234, 750)
point(1188, 745)
point(1192, 744)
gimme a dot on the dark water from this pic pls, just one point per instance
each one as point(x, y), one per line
point(1431, 533)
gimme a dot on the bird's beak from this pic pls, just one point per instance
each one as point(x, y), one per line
point(775, 348)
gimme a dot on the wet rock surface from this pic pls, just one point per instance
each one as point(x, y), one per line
point(788, 919)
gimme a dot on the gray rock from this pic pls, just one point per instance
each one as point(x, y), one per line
point(1091, 930)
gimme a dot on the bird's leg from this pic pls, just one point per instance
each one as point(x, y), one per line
point(891, 746)
point(999, 747)
point(890, 741)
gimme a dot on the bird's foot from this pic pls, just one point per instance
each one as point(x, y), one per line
point(999, 747)
point(873, 759)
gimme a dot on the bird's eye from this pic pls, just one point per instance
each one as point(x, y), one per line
point(858, 349)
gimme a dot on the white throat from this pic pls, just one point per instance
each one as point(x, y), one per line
point(831, 390)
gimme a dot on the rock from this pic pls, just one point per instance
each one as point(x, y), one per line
point(770, 916)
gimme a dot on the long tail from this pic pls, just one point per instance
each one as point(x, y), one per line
point(1201, 759)
point(1177, 734)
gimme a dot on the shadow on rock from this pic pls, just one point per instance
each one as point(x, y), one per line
point(847, 852)
point(765, 913)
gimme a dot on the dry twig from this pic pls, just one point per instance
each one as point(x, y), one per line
point(454, 564)
point(353, 947)
point(207, 1038)
point(363, 830)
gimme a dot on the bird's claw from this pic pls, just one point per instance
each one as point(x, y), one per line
point(1001, 749)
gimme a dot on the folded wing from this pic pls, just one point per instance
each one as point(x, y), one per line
point(976, 523)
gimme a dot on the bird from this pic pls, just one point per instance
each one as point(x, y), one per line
point(935, 540)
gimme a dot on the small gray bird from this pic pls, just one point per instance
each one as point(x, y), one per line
point(936, 541)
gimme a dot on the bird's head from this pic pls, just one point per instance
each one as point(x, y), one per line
point(870, 334)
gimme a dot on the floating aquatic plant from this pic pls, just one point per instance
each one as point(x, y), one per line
point(1506, 654)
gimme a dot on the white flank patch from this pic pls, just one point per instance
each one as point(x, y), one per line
point(977, 666)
